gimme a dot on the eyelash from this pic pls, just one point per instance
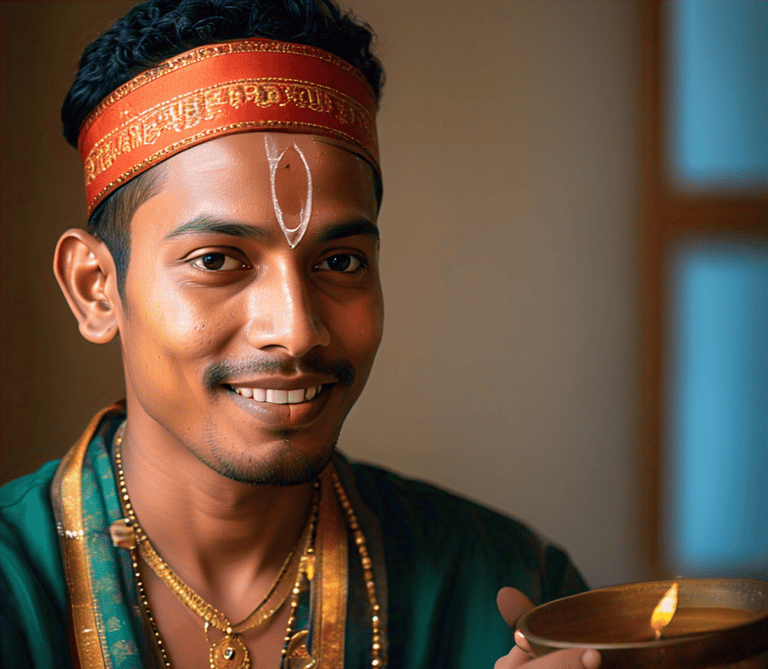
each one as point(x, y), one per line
point(361, 263)
point(197, 262)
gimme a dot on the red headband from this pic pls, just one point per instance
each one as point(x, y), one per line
point(219, 89)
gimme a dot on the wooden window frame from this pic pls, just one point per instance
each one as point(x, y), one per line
point(669, 215)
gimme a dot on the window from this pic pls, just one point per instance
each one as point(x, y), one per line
point(705, 311)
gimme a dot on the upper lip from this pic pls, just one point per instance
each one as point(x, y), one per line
point(283, 382)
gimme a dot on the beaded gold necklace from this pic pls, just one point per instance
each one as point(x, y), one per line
point(377, 652)
point(230, 652)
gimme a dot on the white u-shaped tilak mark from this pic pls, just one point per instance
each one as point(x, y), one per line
point(292, 235)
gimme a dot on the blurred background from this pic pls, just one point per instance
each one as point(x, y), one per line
point(575, 265)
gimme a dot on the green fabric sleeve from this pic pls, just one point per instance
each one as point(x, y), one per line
point(32, 589)
point(446, 560)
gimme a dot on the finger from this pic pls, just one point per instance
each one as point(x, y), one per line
point(516, 658)
point(573, 658)
point(522, 642)
point(512, 604)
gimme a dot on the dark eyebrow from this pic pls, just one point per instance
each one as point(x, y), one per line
point(207, 224)
point(359, 227)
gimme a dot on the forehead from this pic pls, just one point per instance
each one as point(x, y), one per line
point(230, 178)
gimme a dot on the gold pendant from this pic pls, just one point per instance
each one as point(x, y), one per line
point(122, 534)
point(229, 653)
point(297, 655)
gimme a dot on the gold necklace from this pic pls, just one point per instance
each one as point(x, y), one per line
point(378, 652)
point(229, 652)
point(294, 653)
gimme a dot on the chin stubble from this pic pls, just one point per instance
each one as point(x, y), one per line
point(288, 468)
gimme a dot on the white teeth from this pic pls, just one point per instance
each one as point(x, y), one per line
point(278, 396)
point(271, 396)
point(295, 396)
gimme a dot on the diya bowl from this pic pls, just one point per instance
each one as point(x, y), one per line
point(717, 622)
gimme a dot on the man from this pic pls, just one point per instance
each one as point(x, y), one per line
point(233, 187)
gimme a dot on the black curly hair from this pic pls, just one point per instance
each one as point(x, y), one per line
point(156, 30)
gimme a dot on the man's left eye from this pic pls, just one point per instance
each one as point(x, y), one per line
point(213, 262)
point(342, 262)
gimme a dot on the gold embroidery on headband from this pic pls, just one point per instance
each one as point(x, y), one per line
point(203, 53)
point(291, 126)
point(189, 110)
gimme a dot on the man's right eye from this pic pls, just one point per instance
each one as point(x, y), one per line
point(211, 262)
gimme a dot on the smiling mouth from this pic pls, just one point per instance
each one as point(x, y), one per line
point(277, 396)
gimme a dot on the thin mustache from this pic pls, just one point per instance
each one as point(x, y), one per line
point(219, 372)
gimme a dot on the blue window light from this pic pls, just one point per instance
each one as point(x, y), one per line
point(716, 473)
point(718, 94)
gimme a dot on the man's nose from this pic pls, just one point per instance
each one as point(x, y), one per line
point(286, 312)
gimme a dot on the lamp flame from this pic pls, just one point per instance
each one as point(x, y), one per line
point(665, 609)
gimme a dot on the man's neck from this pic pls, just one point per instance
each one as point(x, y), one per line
point(225, 539)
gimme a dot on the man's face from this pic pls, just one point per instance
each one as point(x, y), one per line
point(243, 350)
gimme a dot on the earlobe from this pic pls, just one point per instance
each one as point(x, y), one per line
point(86, 274)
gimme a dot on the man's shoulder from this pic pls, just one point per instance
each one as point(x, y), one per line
point(28, 535)
point(446, 557)
point(26, 514)
point(32, 587)
point(32, 489)
point(443, 527)
point(423, 502)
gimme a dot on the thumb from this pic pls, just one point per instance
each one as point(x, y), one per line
point(512, 604)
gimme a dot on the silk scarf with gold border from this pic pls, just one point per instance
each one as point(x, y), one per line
point(106, 623)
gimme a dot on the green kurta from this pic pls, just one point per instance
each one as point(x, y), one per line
point(439, 561)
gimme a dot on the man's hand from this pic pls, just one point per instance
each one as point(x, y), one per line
point(512, 604)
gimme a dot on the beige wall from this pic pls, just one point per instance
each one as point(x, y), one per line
point(509, 368)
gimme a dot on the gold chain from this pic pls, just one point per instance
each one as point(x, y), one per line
point(230, 652)
point(378, 653)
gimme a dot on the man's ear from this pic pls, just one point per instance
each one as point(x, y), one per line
point(86, 274)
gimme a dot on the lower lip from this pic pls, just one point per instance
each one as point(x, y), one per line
point(285, 415)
